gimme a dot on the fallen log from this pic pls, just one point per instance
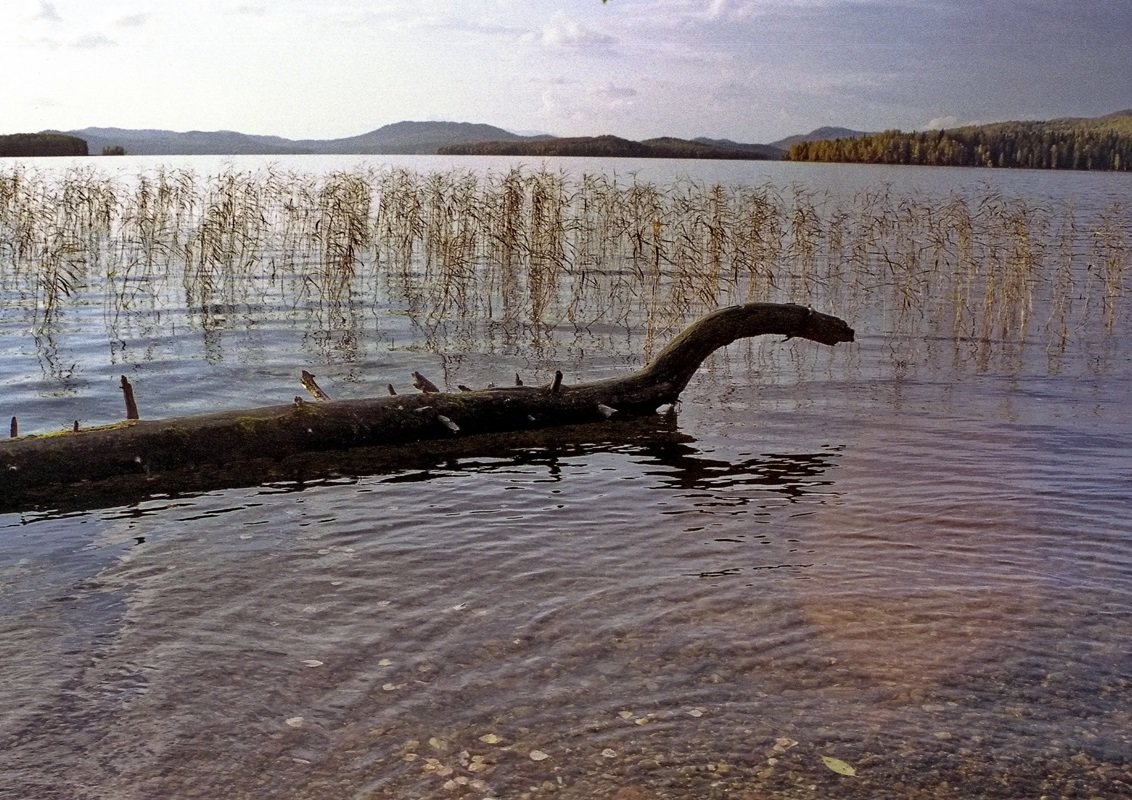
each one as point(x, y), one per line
point(655, 436)
point(144, 449)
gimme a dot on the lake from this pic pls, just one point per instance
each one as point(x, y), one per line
point(895, 568)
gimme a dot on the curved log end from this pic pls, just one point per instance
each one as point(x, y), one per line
point(676, 364)
point(824, 328)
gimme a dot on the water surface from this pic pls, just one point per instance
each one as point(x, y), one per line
point(897, 553)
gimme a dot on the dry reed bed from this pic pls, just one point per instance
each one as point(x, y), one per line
point(540, 248)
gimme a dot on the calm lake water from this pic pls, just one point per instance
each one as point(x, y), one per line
point(909, 558)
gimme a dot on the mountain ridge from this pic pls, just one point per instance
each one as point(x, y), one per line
point(406, 137)
point(610, 146)
point(399, 138)
point(409, 137)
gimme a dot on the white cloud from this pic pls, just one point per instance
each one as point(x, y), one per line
point(940, 123)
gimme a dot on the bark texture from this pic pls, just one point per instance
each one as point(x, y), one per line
point(143, 449)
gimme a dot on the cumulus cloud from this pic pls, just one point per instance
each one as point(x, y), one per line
point(580, 108)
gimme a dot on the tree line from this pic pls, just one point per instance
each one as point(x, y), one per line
point(600, 146)
point(1017, 144)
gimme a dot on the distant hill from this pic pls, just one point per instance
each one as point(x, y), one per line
point(817, 135)
point(1076, 143)
point(768, 151)
point(602, 146)
point(1117, 122)
point(409, 138)
point(398, 138)
point(1070, 143)
point(47, 143)
point(161, 143)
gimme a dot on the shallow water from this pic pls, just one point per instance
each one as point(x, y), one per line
point(879, 553)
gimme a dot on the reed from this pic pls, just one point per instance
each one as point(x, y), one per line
point(52, 232)
point(535, 249)
point(759, 242)
point(224, 244)
point(1109, 259)
point(343, 230)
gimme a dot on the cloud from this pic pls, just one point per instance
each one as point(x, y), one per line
point(941, 123)
point(716, 8)
point(613, 97)
point(48, 13)
point(92, 41)
point(596, 108)
point(132, 21)
point(476, 27)
point(949, 121)
point(566, 33)
point(44, 102)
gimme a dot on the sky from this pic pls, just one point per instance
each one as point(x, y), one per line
point(746, 70)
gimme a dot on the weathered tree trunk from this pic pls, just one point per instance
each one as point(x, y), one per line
point(144, 448)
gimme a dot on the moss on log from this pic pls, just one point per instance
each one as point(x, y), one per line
point(142, 450)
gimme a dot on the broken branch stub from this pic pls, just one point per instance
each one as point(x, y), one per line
point(309, 383)
point(424, 384)
point(128, 394)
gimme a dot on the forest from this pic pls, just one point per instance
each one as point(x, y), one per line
point(32, 145)
point(1104, 143)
